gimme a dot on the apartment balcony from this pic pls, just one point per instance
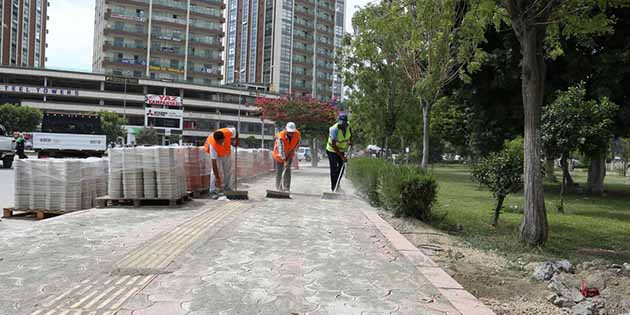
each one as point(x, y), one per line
point(307, 63)
point(130, 63)
point(303, 38)
point(109, 45)
point(326, 44)
point(302, 50)
point(307, 14)
point(205, 72)
point(139, 3)
point(126, 31)
point(168, 37)
point(326, 8)
point(218, 3)
point(218, 45)
point(330, 21)
point(125, 15)
point(214, 59)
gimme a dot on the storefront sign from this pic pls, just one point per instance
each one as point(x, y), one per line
point(164, 113)
point(11, 88)
point(163, 100)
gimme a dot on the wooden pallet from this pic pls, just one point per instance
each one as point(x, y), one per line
point(106, 201)
point(39, 214)
point(199, 193)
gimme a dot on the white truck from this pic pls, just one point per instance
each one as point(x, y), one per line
point(66, 144)
point(69, 135)
point(7, 148)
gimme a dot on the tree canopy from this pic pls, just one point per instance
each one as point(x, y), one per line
point(20, 118)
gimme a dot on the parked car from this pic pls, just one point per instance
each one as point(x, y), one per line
point(304, 154)
point(7, 148)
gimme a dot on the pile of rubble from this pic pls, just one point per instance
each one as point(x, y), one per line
point(591, 288)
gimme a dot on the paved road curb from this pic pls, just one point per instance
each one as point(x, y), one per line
point(464, 302)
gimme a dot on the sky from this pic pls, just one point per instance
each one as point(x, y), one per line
point(71, 32)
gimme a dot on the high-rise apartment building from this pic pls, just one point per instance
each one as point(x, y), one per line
point(289, 45)
point(23, 33)
point(179, 40)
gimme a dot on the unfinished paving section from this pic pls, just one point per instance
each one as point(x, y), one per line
point(300, 256)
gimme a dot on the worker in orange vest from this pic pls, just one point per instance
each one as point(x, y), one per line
point(286, 144)
point(219, 146)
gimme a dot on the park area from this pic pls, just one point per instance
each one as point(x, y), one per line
point(494, 265)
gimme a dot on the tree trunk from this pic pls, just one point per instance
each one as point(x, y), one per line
point(549, 171)
point(534, 228)
point(596, 174)
point(426, 117)
point(566, 175)
point(497, 210)
point(314, 153)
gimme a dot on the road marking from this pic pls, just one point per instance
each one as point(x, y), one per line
point(113, 291)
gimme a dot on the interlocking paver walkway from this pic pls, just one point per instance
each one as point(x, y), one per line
point(300, 256)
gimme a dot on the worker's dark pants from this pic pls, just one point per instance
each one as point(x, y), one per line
point(336, 164)
point(20, 153)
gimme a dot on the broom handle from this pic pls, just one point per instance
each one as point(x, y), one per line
point(236, 167)
point(343, 169)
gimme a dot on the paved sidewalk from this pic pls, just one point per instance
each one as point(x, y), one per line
point(300, 256)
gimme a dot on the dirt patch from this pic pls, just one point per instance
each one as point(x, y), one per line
point(506, 286)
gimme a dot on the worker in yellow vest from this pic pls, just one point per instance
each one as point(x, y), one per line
point(286, 144)
point(219, 146)
point(339, 139)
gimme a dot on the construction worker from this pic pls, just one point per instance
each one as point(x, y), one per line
point(218, 145)
point(20, 144)
point(339, 139)
point(286, 144)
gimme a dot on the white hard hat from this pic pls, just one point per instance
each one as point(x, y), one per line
point(291, 127)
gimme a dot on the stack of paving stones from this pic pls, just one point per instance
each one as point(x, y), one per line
point(58, 184)
point(115, 184)
point(197, 170)
point(132, 173)
point(22, 184)
point(149, 178)
point(147, 173)
point(170, 172)
point(253, 162)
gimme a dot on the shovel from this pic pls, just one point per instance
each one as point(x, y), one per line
point(236, 194)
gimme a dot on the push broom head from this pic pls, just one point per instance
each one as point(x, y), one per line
point(237, 195)
point(278, 194)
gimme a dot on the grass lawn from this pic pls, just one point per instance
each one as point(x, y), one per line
point(592, 227)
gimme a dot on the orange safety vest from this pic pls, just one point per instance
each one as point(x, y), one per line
point(222, 150)
point(287, 146)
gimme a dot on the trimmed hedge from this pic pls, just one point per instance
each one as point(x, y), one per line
point(404, 190)
point(365, 173)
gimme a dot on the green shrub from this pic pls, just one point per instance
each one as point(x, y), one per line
point(365, 173)
point(502, 173)
point(408, 191)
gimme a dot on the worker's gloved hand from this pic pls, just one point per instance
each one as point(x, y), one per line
point(345, 158)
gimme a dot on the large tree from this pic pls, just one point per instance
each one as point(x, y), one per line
point(112, 124)
point(20, 118)
point(312, 117)
point(537, 25)
point(379, 95)
point(438, 43)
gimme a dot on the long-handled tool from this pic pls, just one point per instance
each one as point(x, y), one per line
point(236, 194)
point(280, 194)
point(335, 193)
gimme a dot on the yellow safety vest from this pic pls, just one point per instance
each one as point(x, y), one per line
point(342, 139)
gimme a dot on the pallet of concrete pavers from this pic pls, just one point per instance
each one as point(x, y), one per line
point(39, 214)
point(106, 202)
point(199, 193)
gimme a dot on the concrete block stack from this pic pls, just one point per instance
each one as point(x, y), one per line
point(147, 173)
point(58, 184)
point(197, 168)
